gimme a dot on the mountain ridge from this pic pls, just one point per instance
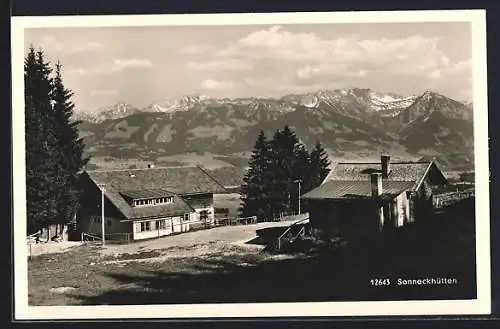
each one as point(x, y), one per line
point(345, 121)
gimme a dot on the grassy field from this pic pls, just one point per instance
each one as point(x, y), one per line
point(217, 265)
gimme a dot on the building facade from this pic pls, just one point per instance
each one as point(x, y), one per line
point(146, 203)
point(365, 198)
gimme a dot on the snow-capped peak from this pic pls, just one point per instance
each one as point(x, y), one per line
point(185, 103)
point(115, 111)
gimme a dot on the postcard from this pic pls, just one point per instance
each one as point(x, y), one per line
point(251, 165)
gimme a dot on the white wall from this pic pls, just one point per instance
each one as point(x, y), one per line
point(172, 225)
point(403, 210)
point(195, 217)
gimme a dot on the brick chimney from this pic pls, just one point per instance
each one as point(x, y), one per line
point(385, 161)
point(376, 183)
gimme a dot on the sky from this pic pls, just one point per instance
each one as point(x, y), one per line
point(141, 65)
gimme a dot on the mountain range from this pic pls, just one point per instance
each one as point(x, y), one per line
point(347, 121)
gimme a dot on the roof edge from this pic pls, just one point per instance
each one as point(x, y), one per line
point(139, 169)
point(392, 162)
point(421, 180)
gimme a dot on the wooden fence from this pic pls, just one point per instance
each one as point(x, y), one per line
point(225, 221)
point(293, 217)
point(446, 199)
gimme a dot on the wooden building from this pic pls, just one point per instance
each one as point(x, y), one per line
point(365, 198)
point(146, 203)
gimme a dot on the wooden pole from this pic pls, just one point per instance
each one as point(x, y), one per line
point(299, 197)
point(102, 186)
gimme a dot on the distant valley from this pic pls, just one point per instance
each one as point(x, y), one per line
point(351, 123)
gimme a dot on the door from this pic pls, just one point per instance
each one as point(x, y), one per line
point(168, 226)
point(177, 225)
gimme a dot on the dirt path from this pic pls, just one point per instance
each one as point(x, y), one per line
point(51, 247)
point(235, 235)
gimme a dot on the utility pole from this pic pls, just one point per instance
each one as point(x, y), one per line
point(298, 181)
point(102, 187)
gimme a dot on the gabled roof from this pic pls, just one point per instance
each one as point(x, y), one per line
point(228, 176)
point(149, 183)
point(352, 179)
point(178, 180)
point(351, 189)
point(400, 171)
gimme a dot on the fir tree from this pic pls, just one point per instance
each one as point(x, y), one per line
point(283, 146)
point(70, 146)
point(254, 196)
point(290, 163)
point(319, 167)
point(43, 172)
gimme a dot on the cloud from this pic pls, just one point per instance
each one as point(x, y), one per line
point(217, 85)
point(461, 67)
point(195, 49)
point(435, 74)
point(133, 63)
point(53, 45)
point(282, 59)
point(99, 70)
point(118, 65)
point(228, 64)
point(103, 93)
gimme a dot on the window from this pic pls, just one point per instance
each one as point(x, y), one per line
point(145, 226)
point(160, 224)
point(203, 215)
point(153, 201)
point(186, 217)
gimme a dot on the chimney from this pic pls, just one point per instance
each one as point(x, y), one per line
point(385, 161)
point(376, 183)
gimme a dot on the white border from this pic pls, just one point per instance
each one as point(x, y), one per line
point(481, 305)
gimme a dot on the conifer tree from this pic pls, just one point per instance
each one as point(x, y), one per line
point(254, 196)
point(283, 147)
point(319, 167)
point(70, 147)
point(54, 152)
point(43, 171)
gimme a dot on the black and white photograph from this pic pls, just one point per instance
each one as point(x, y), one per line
point(249, 165)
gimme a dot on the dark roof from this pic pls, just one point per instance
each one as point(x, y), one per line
point(351, 189)
point(146, 183)
point(178, 180)
point(146, 194)
point(229, 176)
point(400, 171)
